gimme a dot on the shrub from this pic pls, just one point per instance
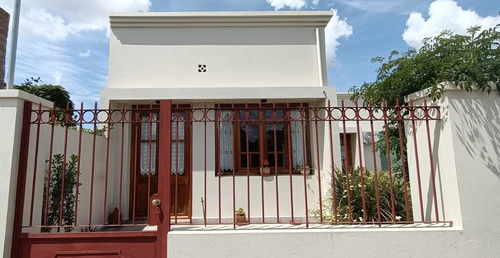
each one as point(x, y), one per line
point(54, 198)
point(354, 189)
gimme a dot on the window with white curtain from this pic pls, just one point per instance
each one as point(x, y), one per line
point(252, 137)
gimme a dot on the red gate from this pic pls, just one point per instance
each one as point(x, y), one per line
point(76, 192)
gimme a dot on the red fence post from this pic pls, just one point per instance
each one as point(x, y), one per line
point(164, 164)
point(21, 178)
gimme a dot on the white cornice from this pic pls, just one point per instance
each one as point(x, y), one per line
point(219, 19)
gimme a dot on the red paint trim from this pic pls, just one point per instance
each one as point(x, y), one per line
point(21, 178)
point(164, 163)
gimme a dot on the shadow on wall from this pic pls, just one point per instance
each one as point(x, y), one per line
point(478, 129)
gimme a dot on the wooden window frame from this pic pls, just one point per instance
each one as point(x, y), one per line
point(263, 152)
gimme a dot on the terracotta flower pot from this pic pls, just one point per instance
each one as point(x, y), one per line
point(306, 170)
point(265, 171)
point(241, 219)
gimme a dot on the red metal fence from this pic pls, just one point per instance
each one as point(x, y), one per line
point(285, 163)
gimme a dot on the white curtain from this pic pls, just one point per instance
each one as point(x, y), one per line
point(177, 147)
point(145, 163)
point(297, 144)
point(226, 141)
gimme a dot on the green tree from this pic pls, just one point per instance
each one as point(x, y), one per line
point(471, 60)
point(466, 60)
point(54, 93)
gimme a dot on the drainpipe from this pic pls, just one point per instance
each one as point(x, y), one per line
point(13, 45)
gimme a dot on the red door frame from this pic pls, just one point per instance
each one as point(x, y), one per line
point(63, 244)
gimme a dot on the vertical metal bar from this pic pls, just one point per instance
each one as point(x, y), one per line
point(262, 121)
point(316, 115)
point(122, 147)
point(304, 147)
point(360, 154)
point(137, 123)
point(190, 115)
point(65, 152)
point(388, 153)
point(52, 124)
point(150, 143)
point(93, 163)
point(412, 114)
point(290, 158)
point(247, 112)
point(79, 162)
point(204, 162)
point(234, 169)
point(108, 139)
point(403, 162)
point(330, 118)
point(276, 163)
point(344, 118)
point(377, 194)
point(21, 178)
point(176, 193)
point(433, 176)
point(217, 123)
point(37, 143)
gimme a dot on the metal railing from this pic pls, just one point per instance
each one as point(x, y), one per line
point(281, 163)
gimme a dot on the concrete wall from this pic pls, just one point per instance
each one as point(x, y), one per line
point(465, 153)
point(12, 102)
point(11, 114)
point(246, 49)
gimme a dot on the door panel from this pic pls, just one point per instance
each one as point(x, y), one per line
point(144, 179)
point(180, 173)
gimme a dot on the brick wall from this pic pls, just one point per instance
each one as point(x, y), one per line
point(4, 29)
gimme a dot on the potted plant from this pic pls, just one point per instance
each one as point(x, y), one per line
point(306, 170)
point(240, 218)
point(265, 170)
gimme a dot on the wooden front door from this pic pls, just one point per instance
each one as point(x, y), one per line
point(145, 157)
point(180, 172)
point(144, 178)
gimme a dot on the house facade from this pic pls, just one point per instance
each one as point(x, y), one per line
point(207, 113)
point(225, 60)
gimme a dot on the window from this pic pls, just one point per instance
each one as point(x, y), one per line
point(249, 137)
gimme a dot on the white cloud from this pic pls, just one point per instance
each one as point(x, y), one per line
point(443, 15)
point(335, 30)
point(292, 4)
point(55, 19)
point(58, 77)
point(85, 54)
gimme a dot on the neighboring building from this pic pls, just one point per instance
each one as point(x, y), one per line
point(4, 31)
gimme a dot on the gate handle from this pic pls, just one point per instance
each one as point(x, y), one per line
point(156, 202)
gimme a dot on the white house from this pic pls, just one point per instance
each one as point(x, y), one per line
point(234, 107)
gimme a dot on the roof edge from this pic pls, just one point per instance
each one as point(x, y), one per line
point(222, 19)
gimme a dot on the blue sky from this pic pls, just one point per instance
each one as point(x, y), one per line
point(66, 42)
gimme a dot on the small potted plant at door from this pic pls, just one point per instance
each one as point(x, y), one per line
point(265, 170)
point(239, 216)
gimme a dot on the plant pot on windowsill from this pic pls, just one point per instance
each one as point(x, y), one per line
point(265, 171)
point(306, 170)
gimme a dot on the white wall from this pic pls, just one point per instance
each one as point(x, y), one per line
point(465, 152)
point(245, 49)
point(11, 114)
